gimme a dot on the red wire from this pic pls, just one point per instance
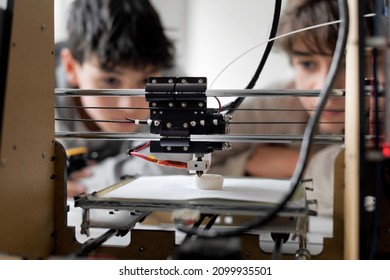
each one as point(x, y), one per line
point(142, 147)
point(168, 163)
point(219, 104)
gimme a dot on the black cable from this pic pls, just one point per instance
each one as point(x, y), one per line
point(196, 225)
point(200, 221)
point(212, 221)
point(377, 165)
point(274, 28)
point(378, 31)
point(307, 136)
point(324, 94)
point(280, 239)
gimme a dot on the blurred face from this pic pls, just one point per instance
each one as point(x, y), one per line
point(90, 76)
point(310, 71)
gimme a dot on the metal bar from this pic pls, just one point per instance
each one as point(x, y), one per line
point(98, 92)
point(209, 93)
point(92, 244)
point(199, 138)
point(130, 121)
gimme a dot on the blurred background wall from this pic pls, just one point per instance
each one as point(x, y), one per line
point(209, 35)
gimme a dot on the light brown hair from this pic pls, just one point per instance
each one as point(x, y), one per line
point(299, 14)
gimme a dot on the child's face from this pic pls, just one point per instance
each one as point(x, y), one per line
point(91, 76)
point(310, 71)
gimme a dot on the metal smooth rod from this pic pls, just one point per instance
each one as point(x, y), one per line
point(209, 93)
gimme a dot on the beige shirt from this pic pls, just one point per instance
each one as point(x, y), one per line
point(264, 116)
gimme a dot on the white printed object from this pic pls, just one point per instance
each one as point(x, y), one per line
point(209, 182)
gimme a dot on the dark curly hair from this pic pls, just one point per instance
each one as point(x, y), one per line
point(118, 32)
